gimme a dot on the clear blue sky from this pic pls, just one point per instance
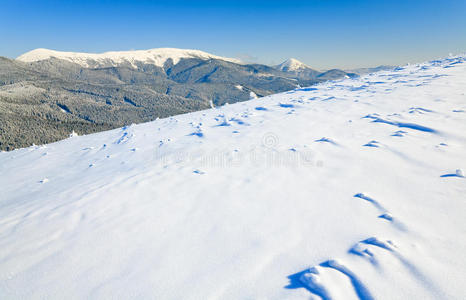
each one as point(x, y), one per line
point(321, 33)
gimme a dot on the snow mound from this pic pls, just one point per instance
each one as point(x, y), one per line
point(351, 189)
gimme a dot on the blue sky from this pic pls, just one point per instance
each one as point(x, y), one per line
point(321, 33)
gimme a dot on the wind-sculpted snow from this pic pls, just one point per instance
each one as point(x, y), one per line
point(353, 189)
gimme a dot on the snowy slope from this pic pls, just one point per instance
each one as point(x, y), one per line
point(156, 57)
point(346, 190)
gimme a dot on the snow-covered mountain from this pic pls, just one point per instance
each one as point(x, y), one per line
point(86, 92)
point(157, 57)
point(297, 68)
point(352, 189)
point(291, 65)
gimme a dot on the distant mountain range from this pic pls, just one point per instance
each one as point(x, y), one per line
point(46, 94)
point(362, 71)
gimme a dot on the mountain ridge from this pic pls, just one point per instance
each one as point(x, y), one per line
point(44, 97)
point(156, 56)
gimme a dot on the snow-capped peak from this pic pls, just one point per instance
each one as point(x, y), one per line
point(156, 57)
point(292, 64)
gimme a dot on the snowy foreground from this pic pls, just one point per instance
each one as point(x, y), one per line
point(348, 190)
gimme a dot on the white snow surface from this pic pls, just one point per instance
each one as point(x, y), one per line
point(351, 189)
point(156, 57)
